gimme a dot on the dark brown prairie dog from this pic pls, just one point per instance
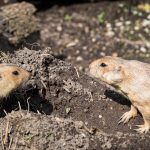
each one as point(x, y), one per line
point(132, 78)
point(11, 77)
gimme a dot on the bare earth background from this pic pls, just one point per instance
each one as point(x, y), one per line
point(62, 107)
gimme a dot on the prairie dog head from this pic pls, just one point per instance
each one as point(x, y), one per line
point(11, 77)
point(108, 69)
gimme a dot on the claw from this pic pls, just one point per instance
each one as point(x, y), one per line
point(142, 128)
point(125, 117)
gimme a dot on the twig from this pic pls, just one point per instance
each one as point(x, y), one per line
point(15, 142)
point(11, 139)
point(3, 148)
point(28, 104)
point(38, 112)
point(77, 72)
point(19, 106)
point(5, 112)
point(6, 133)
point(43, 83)
point(139, 42)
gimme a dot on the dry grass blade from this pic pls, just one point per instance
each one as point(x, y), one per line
point(16, 143)
point(3, 148)
point(28, 104)
point(6, 133)
point(77, 72)
point(5, 58)
point(11, 139)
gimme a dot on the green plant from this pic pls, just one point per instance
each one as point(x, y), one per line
point(68, 17)
point(101, 17)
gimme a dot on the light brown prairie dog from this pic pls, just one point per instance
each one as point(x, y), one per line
point(11, 77)
point(132, 78)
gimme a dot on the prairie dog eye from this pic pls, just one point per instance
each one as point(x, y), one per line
point(15, 73)
point(103, 65)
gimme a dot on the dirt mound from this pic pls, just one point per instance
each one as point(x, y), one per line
point(33, 131)
point(59, 89)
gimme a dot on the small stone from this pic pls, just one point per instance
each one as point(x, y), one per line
point(128, 22)
point(135, 12)
point(80, 25)
point(110, 33)
point(143, 49)
point(86, 123)
point(85, 110)
point(79, 124)
point(140, 14)
point(148, 17)
point(86, 30)
point(118, 24)
point(108, 145)
point(84, 47)
point(147, 30)
point(119, 134)
point(79, 58)
point(115, 54)
point(131, 32)
point(108, 25)
point(93, 40)
point(100, 116)
point(102, 54)
point(59, 28)
point(136, 28)
point(145, 23)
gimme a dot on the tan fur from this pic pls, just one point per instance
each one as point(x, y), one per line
point(132, 78)
point(9, 81)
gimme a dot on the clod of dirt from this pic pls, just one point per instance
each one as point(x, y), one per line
point(25, 131)
point(17, 22)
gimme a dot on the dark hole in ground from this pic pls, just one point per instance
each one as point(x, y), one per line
point(31, 42)
point(31, 101)
point(117, 97)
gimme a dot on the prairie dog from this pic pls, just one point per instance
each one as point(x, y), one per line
point(11, 77)
point(132, 78)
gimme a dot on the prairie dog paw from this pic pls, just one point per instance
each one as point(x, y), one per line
point(126, 117)
point(143, 128)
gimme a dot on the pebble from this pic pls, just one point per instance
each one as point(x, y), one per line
point(143, 49)
point(115, 54)
point(140, 14)
point(79, 58)
point(136, 28)
point(79, 124)
point(145, 22)
point(102, 54)
point(93, 40)
point(100, 116)
point(128, 22)
point(108, 25)
point(59, 28)
point(110, 33)
point(118, 24)
point(147, 30)
point(135, 12)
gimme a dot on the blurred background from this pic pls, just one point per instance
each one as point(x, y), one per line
point(80, 31)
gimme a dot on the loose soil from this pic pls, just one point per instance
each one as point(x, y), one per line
point(62, 107)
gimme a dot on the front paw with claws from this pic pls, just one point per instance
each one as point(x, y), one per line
point(143, 128)
point(126, 117)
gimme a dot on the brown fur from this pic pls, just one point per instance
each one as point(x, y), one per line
point(132, 78)
point(10, 81)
